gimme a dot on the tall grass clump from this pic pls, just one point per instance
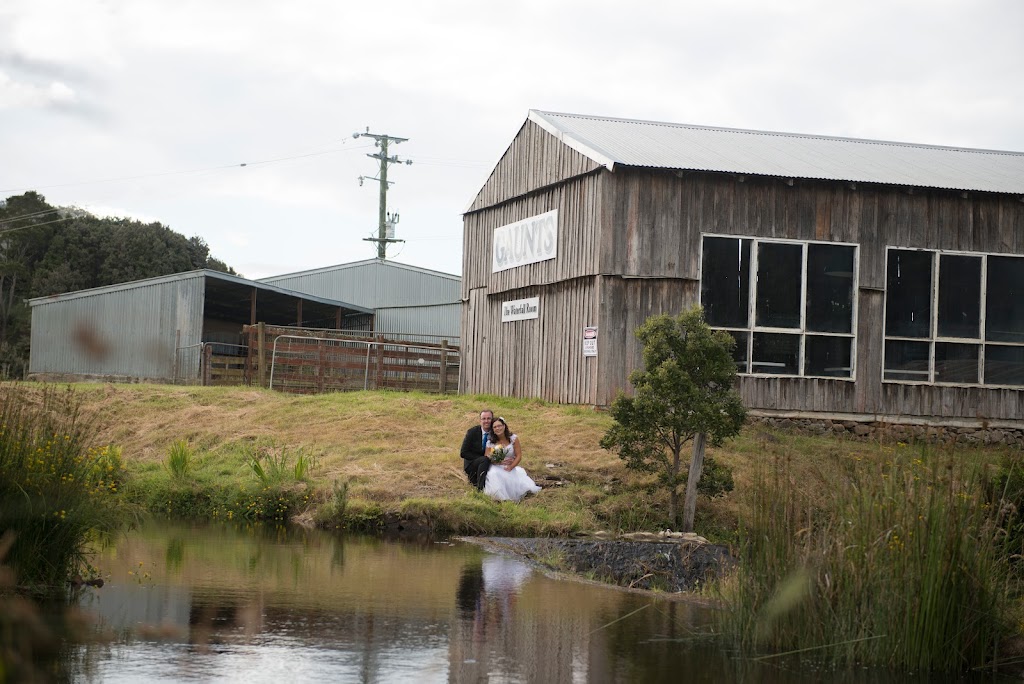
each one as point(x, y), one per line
point(57, 489)
point(179, 460)
point(273, 466)
point(898, 564)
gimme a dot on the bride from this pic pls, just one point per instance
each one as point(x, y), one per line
point(506, 480)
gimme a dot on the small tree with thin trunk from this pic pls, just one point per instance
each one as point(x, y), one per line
point(684, 392)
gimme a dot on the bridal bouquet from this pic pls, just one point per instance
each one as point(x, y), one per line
point(499, 453)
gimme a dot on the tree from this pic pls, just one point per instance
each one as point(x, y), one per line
point(47, 250)
point(684, 392)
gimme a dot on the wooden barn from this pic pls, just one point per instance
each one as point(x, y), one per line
point(862, 280)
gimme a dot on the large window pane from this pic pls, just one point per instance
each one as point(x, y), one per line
point(779, 283)
point(956, 362)
point(740, 351)
point(829, 288)
point(827, 356)
point(776, 353)
point(959, 296)
point(906, 360)
point(1004, 313)
point(1004, 365)
point(725, 281)
point(908, 293)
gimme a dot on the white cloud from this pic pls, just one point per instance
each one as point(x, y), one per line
point(20, 94)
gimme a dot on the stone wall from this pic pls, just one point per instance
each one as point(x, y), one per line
point(895, 432)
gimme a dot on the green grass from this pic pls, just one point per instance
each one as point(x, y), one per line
point(897, 563)
point(179, 460)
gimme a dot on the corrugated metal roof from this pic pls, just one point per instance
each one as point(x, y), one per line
point(188, 275)
point(375, 283)
point(364, 262)
point(653, 144)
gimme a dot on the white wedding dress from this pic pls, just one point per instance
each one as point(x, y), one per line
point(508, 485)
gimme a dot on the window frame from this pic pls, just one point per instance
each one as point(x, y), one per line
point(934, 338)
point(802, 332)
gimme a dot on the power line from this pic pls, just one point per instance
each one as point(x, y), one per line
point(9, 219)
point(4, 231)
point(179, 173)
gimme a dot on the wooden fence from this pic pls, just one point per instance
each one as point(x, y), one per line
point(314, 361)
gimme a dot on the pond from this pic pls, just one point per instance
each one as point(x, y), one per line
point(254, 604)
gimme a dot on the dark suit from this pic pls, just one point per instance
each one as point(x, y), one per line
point(473, 460)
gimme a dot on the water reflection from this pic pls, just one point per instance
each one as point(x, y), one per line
point(257, 604)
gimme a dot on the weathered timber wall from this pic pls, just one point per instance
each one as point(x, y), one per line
point(655, 222)
point(534, 160)
point(579, 219)
point(540, 357)
point(625, 304)
point(656, 218)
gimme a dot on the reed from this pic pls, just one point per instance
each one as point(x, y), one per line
point(902, 566)
point(58, 490)
point(179, 460)
point(273, 466)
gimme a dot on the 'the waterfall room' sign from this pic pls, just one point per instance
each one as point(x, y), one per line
point(520, 309)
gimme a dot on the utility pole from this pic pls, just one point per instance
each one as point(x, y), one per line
point(384, 220)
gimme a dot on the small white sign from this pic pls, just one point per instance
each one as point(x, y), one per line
point(520, 309)
point(590, 341)
point(525, 242)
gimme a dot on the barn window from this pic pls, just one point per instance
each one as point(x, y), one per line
point(789, 305)
point(954, 318)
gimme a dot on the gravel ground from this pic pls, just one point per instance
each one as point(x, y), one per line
point(666, 564)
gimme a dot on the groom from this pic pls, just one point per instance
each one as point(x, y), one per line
point(473, 446)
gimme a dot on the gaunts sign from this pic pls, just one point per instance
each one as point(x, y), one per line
point(525, 242)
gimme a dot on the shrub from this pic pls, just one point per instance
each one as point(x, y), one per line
point(57, 490)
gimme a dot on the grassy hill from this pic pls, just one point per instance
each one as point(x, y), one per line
point(397, 455)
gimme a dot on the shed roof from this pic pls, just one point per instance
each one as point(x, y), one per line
point(201, 273)
point(652, 144)
point(365, 262)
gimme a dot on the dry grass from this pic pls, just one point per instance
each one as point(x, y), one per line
point(389, 446)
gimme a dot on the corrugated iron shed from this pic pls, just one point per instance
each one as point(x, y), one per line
point(652, 144)
point(375, 283)
point(143, 329)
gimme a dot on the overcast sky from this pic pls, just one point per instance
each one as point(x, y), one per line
point(148, 108)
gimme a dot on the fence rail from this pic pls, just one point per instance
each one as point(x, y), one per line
point(320, 364)
point(309, 361)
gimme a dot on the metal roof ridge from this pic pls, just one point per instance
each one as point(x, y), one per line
point(781, 134)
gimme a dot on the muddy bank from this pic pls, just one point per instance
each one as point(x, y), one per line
point(664, 564)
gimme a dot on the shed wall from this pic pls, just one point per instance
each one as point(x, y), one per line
point(541, 357)
point(625, 304)
point(129, 332)
point(441, 320)
point(656, 219)
point(654, 230)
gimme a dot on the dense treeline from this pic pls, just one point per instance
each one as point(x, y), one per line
point(47, 250)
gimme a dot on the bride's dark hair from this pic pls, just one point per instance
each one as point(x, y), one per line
point(508, 431)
